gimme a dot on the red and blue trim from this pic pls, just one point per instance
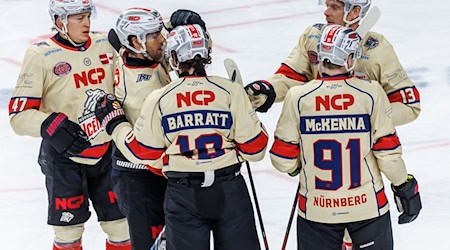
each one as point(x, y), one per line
point(290, 73)
point(254, 145)
point(389, 142)
point(284, 149)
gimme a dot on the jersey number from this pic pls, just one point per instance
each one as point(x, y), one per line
point(19, 104)
point(408, 95)
point(328, 157)
point(201, 146)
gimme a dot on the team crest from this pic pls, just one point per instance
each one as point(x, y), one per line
point(313, 59)
point(66, 217)
point(372, 43)
point(62, 69)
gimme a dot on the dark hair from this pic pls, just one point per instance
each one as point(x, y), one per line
point(196, 63)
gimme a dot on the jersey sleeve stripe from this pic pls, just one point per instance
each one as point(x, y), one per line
point(254, 145)
point(290, 73)
point(285, 149)
point(388, 142)
point(19, 104)
point(407, 95)
point(144, 152)
point(95, 151)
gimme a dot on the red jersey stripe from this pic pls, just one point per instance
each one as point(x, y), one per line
point(285, 149)
point(20, 103)
point(144, 152)
point(290, 73)
point(381, 199)
point(254, 145)
point(407, 95)
point(388, 142)
point(95, 152)
point(154, 170)
point(302, 203)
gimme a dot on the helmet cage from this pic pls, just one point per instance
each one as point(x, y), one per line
point(350, 4)
point(138, 22)
point(337, 43)
point(187, 42)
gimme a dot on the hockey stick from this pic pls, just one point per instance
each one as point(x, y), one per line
point(160, 242)
point(114, 40)
point(369, 21)
point(235, 76)
point(291, 217)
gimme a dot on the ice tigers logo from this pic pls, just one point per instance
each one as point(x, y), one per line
point(93, 96)
point(88, 122)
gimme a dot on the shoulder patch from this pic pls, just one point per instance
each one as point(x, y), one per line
point(318, 26)
point(42, 44)
point(371, 42)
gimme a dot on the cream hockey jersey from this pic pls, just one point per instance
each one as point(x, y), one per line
point(339, 133)
point(197, 124)
point(58, 78)
point(133, 85)
point(379, 62)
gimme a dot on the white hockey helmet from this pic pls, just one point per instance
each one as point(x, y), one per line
point(349, 5)
point(64, 8)
point(337, 43)
point(138, 22)
point(187, 41)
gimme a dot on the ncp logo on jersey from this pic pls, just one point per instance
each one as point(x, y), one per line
point(335, 102)
point(199, 97)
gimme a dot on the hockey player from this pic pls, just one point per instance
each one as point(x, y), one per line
point(203, 127)
point(378, 62)
point(337, 134)
point(141, 69)
point(60, 81)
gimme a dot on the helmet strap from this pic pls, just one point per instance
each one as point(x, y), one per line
point(349, 23)
point(350, 69)
point(172, 64)
point(65, 33)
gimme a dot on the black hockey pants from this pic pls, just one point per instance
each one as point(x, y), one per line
point(224, 208)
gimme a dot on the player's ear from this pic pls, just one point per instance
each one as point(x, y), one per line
point(354, 13)
point(59, 23)
point(135, 43)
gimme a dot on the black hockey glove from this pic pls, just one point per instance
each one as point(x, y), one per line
point(109, 112)
point(183, 17)
point(407, 198)
point(65, 136)
point(261, 94)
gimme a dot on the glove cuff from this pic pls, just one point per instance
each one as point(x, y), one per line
point(52, 124)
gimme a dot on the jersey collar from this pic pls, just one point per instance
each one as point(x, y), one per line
point(67, 45)
point(326, 77)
